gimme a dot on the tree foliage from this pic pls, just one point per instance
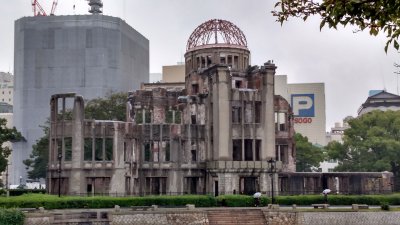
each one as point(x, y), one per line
point(6, 135)
point(373, 15)
point(372, 143)
point(111, 107)
point(308, 156)
point(39, 157)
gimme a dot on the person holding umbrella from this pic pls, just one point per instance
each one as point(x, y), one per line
point(257, 197)
point(325, 193)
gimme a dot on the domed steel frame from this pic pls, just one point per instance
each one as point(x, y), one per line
point(211, 30)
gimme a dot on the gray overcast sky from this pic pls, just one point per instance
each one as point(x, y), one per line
point(349, 64)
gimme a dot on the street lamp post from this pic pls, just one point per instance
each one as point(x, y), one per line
point(59, 174)
point(272, 170)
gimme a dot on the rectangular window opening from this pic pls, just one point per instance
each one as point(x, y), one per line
point(229, 60)
point(236, 114)
point(258, 150)
point(59, 147)
point(109, 149)
point(195, 89)
point(177, 117)
point(282, 121)
point(257, 112)
point(194, 155)
point(248, 150)
point(167, 152)
point(147, 152)
point(169, 117)
point(238, 83)
point(237, 150)
point(68, 148)
point(98, 155)
point(209, 60)
point(147, 116)
point(203, 62)
point(193, 118)
point(235, 62)
point(88, 149)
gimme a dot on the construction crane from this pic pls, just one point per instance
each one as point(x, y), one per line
point(53, 7)
point(39, 11)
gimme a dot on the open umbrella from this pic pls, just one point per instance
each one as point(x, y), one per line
point(326, 191)
point(257, 195)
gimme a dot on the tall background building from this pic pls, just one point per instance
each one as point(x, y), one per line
point(6, 88)
point(90, 55)
point(308, 103)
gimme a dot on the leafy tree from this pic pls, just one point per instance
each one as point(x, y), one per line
point(39, 157)
point(372, 143)
point(111, 107)
point(373, 15)
point(7, 134)
point(308, 156)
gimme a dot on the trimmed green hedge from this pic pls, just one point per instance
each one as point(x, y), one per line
point(19, 192)
point(54, 202)
point(393, 199)
point(11, 217)
point(240, 201)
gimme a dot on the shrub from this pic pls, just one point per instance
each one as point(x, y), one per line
point(240, 201)
point(301, 199)
point(392, 199)
point(385, 206)
point(54, 202)
point(11, 217)
point(19, 192)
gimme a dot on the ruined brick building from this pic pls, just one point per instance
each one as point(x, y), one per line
point(215, 136)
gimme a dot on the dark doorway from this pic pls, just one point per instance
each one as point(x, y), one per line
point(248, 185)
point(324, 183)
point(216, 188)
point(192, 182)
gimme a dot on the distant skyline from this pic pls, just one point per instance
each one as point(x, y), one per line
point(350, 64)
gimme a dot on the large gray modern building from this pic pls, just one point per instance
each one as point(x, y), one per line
point(87, 54)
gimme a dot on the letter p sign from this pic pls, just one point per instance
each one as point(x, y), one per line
point(303, 105)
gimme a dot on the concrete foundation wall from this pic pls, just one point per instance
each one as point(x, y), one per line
point(201, 217)
point(90, 55)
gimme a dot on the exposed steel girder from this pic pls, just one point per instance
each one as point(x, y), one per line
point(212, 31)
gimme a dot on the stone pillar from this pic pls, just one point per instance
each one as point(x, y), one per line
point(76, 180)
point(268, 118)
point(118, 179)
point(221, 114)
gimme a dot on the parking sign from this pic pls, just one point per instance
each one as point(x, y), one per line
point(303, 105)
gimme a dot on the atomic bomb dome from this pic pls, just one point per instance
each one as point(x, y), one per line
point(216, 42)
point(214, 33)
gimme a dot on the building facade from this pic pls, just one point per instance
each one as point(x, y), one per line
point(6, 88)
point(308, 103)
point(173, 73)
point(380, 100)
point(225, 133)
point(91, 55)
point(215, 136)
point(306, 99)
